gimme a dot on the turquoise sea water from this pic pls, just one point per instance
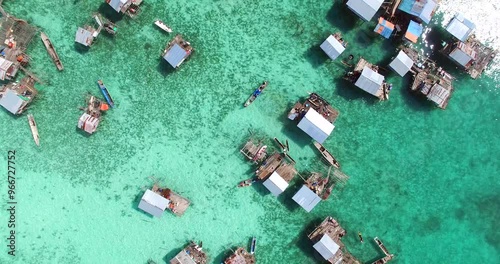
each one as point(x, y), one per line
point(422, 179)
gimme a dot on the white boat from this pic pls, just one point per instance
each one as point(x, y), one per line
point(34, 130)
point(163, 26)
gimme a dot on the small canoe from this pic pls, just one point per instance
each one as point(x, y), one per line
point(252, 247)
point(256, 93)
point(327, 155)
point(163, 26)
point(246, 183)
point(52, 52)
point(34, 129)
point(106, 94)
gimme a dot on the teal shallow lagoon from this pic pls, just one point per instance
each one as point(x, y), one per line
point(421, 179)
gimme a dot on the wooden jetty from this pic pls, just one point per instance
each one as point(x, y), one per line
point(240, 256)
point(471, 55)
point(176, 51)
point(276, 163)
point(388, 256)
point(327, 156)
point(16, 35)
point(435, 84)
point(16, 96)
point(90, 119)
point(317, 103)
point(177, 205)
point(193, 253)
point(51, 50)
point(366, 77)
point(327, 241)
point(256, 152)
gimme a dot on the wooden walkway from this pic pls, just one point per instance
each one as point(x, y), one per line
point(240, 256)
point(316, 102)
point(178, 204)
point(192, 253)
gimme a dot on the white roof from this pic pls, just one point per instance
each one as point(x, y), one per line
point(460, 27)
point(117, 4)
point(153, 203)
point(332, 47)
point(175, 55)
point(326, 247)
point(461, 56)
point(4, 67)
point(370, 81)
point(366, 9)
point(401, 64)
point(11, 101)
point(275, 184)
point(306, 198)
point(88, 123)
point(316, 126)
point(84, 37)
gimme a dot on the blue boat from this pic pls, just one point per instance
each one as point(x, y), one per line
point(252, 246)
point(106, 94)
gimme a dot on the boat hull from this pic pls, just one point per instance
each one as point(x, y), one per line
point(252, 97)
point(327, 156)
point(34, 129)
point(106, 94)
point(163, 26)
point(51, 50)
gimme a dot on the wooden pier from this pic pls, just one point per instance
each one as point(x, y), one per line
point(23, 92)
point(193, 253)
point(316, 102)
point(480, 56)
point(332, 228)
point(277, 163)
point(240, 256)
point(317, 184)
point(388, 256)
point(435, 84)
point(256, 152)
point(178, 204)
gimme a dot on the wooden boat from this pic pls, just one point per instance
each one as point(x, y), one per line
point(256, 93)
point(327, 192)
point(52, 52)
point(163, 26)
point(259, 153)
point(106, 94)
point(246, 183)
point(34, 129)
point(327, 155)
point(252, 246)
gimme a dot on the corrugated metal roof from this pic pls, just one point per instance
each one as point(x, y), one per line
point(461, 56)
point(460, 27)
point(306, 198)
point(175, 55)
point(401, 64)
point(153, 203)
point(365, 9)
point(332, 47)
point(4, 67)
point(316, 126)
point(326, 247)
point(424, 9)
point(84, 37)
point(370, 81)
point(11, 101)
point(414, 31)
point(384, 28)
point(275, 184)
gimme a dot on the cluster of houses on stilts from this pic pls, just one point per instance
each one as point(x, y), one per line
point(404, 21)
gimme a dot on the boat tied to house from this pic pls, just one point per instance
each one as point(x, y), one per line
point(106, 94)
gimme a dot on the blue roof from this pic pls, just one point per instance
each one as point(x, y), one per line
point(415, 28)
point(384, 28)
point(11, 101)
point(423, 9)
point(175, 55)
